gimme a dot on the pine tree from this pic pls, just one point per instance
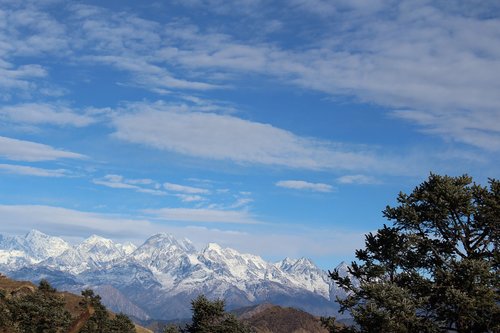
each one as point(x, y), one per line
point(40, 312)
point(171, 328)
point(100, 321)
point(121, 324)
point(436, 268)
point(210, 317)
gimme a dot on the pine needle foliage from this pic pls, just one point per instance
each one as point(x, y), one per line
point(435, 269)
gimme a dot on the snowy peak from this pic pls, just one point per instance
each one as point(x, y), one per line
point(98, 240)
point(42, 246)
point(229, 262)
point(173, 265)
point(12, 243)
point(167, 241)
point(127, 248)
point(163, 252)
point(296, 265)
point(99, 249)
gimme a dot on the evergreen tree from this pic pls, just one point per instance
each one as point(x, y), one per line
point(171, 328)
point(436, 268)
point(210, 317)
point(5, 313)
point(100, 321)
point(121, 324)
point(40, 312)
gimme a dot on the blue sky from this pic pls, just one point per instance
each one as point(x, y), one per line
point(279, 128)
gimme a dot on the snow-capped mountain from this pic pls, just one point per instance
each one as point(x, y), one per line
point(159, 278)
point(33, 248)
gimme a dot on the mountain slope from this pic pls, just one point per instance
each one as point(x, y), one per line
point(12, 288)
point(159, 278)
point(268, 318)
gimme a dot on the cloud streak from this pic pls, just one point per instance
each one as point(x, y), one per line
point(225, 137)
point(202, 215)
point(439, 63)
point(33, 171)
point(303, 185)
point(43, 113)
point(119, 182)
point(21, 150)
point(185, 189)
point(357, 179)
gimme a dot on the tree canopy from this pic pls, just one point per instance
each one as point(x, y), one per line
point(435, 269)
point(210, 317)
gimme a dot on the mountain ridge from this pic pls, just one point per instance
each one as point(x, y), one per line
point(165, 271)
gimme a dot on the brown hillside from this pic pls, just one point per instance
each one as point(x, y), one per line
point(267, 318)
point(12, 288)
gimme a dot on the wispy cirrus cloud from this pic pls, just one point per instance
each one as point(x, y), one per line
point(225, 137)
point(202, 215)
point(34, 171)
point(138, 185)
point(185, 189)
point(27, 31)
point(44, 113)
point(358, 179)
point(453, 77)
point(21, 150)
point(304, 185)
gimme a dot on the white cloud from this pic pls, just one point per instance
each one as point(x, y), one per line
point(438, 64)
point(59, 220)
point(445, 62)
point(190, 198)
point(119, 182)
point(32, 171)
point(226, 137)
point(20, 77)
point(77, 224)
point(41, 113)
point(303, 185)
point(202, 215)
point(20, 150)
point(185, 189)
point(27, 31)
point(357, 179)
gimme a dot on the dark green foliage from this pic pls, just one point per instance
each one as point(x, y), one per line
point(39, 312)
point(121, 324)
point(171, 328)
point(25, 310)
point(436, 268)
point(5, 312)
point(100, 321)
point(210, 317)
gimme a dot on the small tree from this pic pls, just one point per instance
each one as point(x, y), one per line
point(436, 268)
point(121, 324)
point(40, 312)
point(5, 312)
point(100, 321)
point(210, 317)
point(171, 328)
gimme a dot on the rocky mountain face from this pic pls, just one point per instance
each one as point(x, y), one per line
point(159, 278)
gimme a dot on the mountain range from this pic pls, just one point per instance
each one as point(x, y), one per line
point(159, 278)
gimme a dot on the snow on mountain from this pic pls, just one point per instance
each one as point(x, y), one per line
point(127, 248)
point(99, 250)
point(304, 273)
point(165, 268)
point(230, 263)
point(42, 246)
point(34, 247)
